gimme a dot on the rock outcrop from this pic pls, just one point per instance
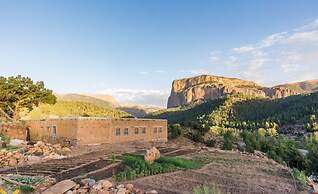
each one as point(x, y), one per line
point(206, 87)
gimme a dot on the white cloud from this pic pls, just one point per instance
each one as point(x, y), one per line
point(137, 96)
point(243, 49)
point(279, 57)
point(144, 72)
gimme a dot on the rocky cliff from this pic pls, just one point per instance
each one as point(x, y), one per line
point(206, 87)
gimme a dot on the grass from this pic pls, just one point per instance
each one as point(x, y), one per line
point(73, 108)
point(206, 190)
point(299, 176)
point(135, 166)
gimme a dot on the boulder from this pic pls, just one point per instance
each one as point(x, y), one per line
point(88, 182)
point(152, 192)
point(121, 191)
point(152, 155)
point(129, 187)
point(105, 184)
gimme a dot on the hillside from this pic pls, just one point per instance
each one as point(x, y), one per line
point(206, 87)
point(303, 87)
point(99, 100)
point(236, 110)
point(73, 108)
point(108, 101)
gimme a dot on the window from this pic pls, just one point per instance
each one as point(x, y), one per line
point(160, 129)
point(143, 130)
point(155, 130)
point(117, 131)
point(136, 130)
point(126, 131)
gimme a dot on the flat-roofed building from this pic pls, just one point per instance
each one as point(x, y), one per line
point(95, 130)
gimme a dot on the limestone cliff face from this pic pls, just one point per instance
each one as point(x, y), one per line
point(206, 87)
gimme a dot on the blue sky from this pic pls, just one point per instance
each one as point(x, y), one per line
point(133, 49)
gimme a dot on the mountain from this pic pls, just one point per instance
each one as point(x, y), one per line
point(207, 87)
point(73, 108)
point(238, 110)
point(107, 101)
point(303, 87)
point(99, 100)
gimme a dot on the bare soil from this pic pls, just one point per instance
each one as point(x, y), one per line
point(231, 172)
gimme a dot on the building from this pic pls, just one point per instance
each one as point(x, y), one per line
point(94, 130)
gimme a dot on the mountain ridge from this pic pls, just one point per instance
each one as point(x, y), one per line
point(209, 87)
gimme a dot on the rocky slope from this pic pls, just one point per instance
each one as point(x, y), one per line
point(305, 86)
point(206, 87)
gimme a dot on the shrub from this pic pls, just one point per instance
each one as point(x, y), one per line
point(300, 176)
point(210, 142)
point(313, 158)
point(228, 141)
point(174, 131)
point(5, 140)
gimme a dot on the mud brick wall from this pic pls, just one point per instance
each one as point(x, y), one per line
point(17, 131)
point(88, 130)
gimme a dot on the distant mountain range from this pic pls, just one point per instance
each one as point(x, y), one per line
point(207, 87)
point(107, 101)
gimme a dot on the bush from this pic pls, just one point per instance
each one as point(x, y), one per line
point(174, 131)
point(313, 158)
point(300, 176)
point(280, 149)
point(228, 142)
point(210, 142)
point(5, 140)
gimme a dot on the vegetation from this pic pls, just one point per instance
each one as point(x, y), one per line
point(229, 139)
point(280, 149)
point(312, 126)
point(206, 190)
point(312, 156)
point(70, 108)
point(187, 113)
point(246, 112)
point(5, 140)
point(135, 166)
point(174, 131)
point(299, 176)
point(21, 93)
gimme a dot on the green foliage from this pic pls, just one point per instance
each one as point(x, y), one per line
point(280, 149)
point(299, 176)
point(174, 131)
point(229, 139)
point(73, 108)
point(26, 188)
point(313, 157)
point(210, 142)
point(21, 93)
point(135, 166)
point(206, 190)
point(187, 113)
point(312, 126)
point(5, 140)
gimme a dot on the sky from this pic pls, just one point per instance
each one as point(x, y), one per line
point(134, 49)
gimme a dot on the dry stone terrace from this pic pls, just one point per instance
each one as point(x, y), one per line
point(231, 172)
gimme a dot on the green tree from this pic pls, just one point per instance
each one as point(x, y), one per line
point(21, 93)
